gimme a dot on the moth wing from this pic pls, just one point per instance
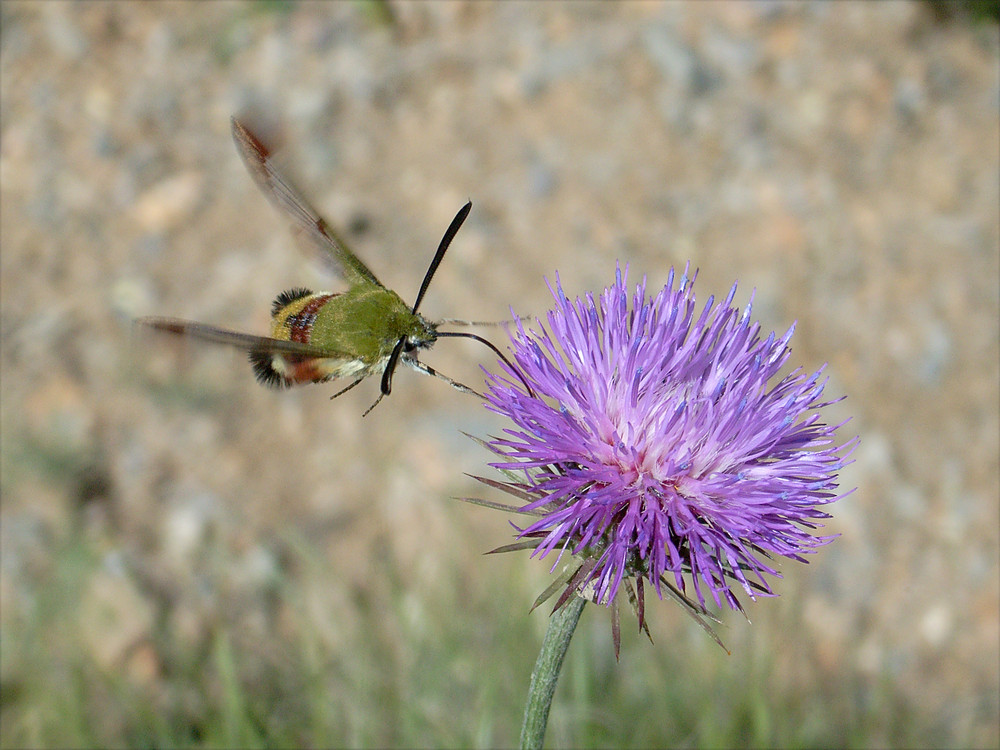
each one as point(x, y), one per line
point(245, 341)
point(259, 161)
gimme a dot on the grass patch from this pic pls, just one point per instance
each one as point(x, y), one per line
point(445, 666)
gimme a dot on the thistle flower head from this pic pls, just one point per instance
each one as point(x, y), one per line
point(654, 448)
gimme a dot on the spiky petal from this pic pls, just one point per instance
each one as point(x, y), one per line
point(655, 446)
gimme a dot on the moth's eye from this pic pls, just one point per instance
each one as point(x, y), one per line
point(409, 346)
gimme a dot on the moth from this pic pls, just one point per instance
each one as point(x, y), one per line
point(319, 336)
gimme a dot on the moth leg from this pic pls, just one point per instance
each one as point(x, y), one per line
point(485, 323)
point(368, 410)
point(419, 366)
point(345, 390)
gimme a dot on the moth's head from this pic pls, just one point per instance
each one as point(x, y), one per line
point(422, 334)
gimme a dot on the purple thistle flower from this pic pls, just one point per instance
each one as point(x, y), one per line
point(654, 449)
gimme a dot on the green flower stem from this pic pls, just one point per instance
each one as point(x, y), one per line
point(546, 672)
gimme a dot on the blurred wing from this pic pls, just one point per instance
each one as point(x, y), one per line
point(247, 342)
point(259, 162)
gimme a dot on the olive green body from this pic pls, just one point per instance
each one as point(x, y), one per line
point(358, 328)
point(365, 322)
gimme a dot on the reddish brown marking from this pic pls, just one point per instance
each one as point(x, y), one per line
point(300, 324)
point(258, 145)
point(170, 326)
point(305, 371)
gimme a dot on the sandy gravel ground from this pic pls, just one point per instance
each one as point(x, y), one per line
point(842, 159)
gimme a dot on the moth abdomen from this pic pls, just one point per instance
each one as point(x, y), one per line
point(287, 297)
point(263, 370)
point(281, 370)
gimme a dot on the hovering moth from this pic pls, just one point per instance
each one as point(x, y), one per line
point(319, 336)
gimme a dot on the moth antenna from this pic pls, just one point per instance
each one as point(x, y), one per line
point(481, 340)
point(449, 235)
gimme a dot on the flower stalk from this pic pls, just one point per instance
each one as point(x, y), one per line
point(545, 675)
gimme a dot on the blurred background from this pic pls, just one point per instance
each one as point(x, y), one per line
point(191, 559)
